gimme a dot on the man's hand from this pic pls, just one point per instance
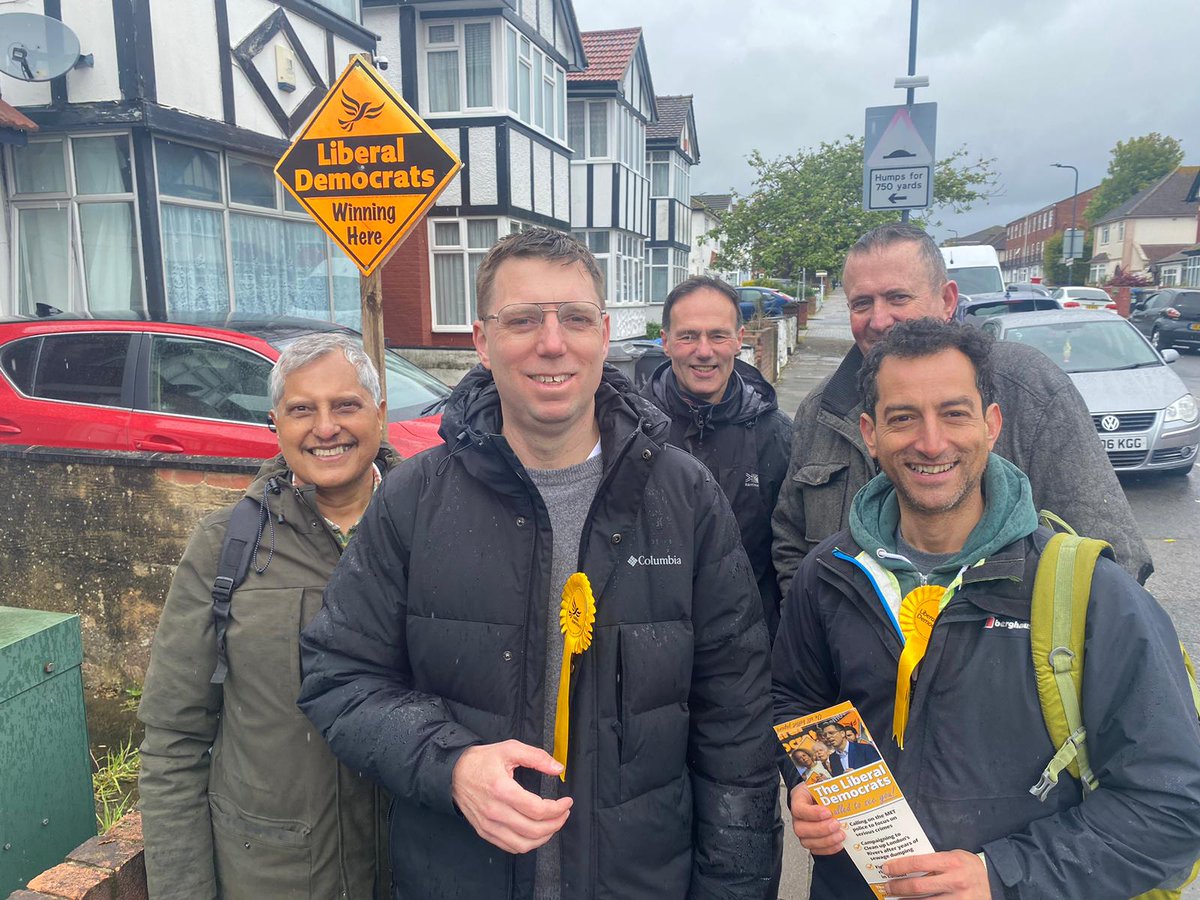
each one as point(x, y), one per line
point(500, 810)
point(955, 873)
point(818, 830)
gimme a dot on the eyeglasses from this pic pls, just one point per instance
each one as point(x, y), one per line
point(578, 316)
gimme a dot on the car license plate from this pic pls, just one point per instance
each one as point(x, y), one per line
point(1195, 326)
point(1113, 443)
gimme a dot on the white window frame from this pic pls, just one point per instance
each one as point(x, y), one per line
point(532, 67)
point(459, 47)
point(463, 251)
point(77, 300)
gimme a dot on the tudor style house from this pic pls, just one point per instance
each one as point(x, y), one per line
point(492, 81)
point(671, 150)
point(609, 106)
point(147, 188)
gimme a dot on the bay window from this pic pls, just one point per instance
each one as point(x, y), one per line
point(459, 246)
point(458, 66)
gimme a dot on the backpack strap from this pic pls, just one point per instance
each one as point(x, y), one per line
point(241, 536)
point(1058, 618)
point(1054, 522)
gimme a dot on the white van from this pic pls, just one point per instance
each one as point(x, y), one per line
point(975, 267)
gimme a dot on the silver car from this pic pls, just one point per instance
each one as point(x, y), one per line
point(1144, 415)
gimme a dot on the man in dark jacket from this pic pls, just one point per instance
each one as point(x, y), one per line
point(948, 515)
point(894, 273)
point(438, 664)
point(240, 797)
point(724, 413)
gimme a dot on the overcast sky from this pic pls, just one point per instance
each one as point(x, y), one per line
point(1027, 82)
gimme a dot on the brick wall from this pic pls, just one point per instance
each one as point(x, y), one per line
point(111, 866)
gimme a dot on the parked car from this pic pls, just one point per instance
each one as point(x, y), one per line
point(1029, 288)
point(771, 301)
point(1084, 298)
point(1170, 317)
point(1142, 410)
point(172, 388)
point(977, 307)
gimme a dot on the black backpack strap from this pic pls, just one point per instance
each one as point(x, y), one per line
point(241, 536)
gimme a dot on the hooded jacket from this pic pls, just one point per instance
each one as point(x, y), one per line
point(269, 812)
point(745, 441)
point(976, 741)
point(432, 639)
point(1047, 432)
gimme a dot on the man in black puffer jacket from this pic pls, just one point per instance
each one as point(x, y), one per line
point(724, 413)
point(434, 665)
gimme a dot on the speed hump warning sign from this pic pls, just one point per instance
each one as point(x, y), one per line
point(366, 167)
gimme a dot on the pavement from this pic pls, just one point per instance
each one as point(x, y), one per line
point(819, 352)
point(821, 348)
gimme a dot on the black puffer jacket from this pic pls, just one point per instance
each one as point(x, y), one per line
point(976, 740)
point(746, 443)
point(432, 639)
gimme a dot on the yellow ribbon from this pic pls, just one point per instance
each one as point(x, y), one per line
point(575, 617)
point(918, 612)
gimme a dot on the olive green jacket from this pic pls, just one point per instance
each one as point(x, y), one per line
point(268, 812)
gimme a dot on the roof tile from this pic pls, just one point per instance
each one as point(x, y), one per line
point(608, 54)
point(11, 117)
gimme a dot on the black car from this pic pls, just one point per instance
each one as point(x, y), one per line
point(977, 307)
point(1170, 317)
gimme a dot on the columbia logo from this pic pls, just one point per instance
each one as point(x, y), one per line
point(654, 561)
point(751, 479)
point(1002, 622)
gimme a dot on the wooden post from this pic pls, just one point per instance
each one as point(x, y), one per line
point(371, 292)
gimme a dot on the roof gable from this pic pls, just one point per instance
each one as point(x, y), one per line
point(675, 128)
point(1175, 194)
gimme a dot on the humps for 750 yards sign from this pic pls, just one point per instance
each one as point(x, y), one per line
point(366, 167)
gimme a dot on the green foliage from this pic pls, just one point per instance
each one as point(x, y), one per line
point(653, 330)
point(1135, 165)
point(805, 209)
point(133, 698)
point(113, 784)
point(1057, 271)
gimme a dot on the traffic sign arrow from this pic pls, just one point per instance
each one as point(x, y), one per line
point(894, 198)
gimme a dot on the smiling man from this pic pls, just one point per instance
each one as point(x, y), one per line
point(948, 535)
point(240, 796)
point(438, 664)
point(724, 413)
point(895, 273)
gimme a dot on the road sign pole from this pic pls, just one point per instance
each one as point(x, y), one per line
point(912, 69)
point(371, 293)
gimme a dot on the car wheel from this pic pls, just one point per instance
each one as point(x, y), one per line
point(1159, 342)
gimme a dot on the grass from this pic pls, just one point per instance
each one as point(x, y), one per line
point(133, 696)
point(113, 783)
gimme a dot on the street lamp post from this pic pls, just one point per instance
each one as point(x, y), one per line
point(1074, 197)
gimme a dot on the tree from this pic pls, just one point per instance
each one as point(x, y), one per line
point(805, 209)
point(1057, 271)
point(1135, 165)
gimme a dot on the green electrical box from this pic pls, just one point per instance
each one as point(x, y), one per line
point(46, 804)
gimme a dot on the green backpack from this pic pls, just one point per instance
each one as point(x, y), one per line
point(1061, 591)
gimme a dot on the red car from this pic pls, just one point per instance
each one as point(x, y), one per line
point(163, 387)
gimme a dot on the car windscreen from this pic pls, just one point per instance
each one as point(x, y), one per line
point(410, 390)
point(1088, 346)
point(1088, 294)
point(977, 279)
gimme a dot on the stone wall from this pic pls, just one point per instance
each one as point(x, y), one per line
point(99, 534)
point(111, 866)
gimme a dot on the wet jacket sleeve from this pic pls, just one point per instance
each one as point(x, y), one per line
point(1053, 426)
point(357, 685)
point(788, 544)
point(738, 833)
point(1143, 823)
point(180, 710)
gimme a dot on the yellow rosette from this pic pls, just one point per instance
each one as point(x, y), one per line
point(918, 612)
point(575, 617)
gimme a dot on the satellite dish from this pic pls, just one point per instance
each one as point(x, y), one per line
point(36, 48)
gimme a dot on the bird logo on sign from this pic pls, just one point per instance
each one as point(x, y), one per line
point(357, 111)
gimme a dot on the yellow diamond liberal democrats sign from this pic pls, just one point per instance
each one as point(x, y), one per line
point(366, 167)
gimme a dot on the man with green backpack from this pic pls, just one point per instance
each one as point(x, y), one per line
point(961, 629)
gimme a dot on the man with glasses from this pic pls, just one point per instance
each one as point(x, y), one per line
point(631, 756)
point(724, 413)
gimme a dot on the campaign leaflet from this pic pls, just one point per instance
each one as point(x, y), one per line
point(839, 763)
